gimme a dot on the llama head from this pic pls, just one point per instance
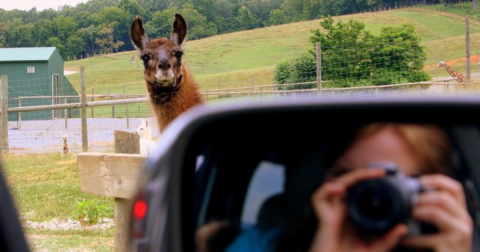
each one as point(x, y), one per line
point(161, 56)
point(442, 63)
point(144, 130)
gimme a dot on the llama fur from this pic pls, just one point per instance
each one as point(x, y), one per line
point(171, 88)
point(147, 145)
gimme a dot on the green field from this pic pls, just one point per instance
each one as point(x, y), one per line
point(46, 186)
point(242, 58)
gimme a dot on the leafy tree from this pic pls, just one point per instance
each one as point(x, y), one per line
point(89, 34)
point(262, 8)
point(18, 34)
point(198, 27)
point(402, 44)
point(64, 27)
point(84, 19)
point(204, 7)
point(3, 29)
point(107, 42)
point(283, 71)
point(161, 23)
point(293, 10)
point(132, 7)
point(277, 17)
point(42, 31)
point(225, 13)
point(345, 48)
point(75, 45)
point(300, 69)
point(246, 18)
point(56, 42)
point(118, 20)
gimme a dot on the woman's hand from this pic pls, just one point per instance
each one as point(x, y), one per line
point(445, 208)
point(335, 233)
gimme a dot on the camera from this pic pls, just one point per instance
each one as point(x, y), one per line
point(377, 205)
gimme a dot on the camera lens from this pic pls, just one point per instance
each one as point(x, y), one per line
point(377, 205)
point(374, 204)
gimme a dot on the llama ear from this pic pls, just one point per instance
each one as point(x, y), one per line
point(179, 30)
point(146, 122)
point(137, 34)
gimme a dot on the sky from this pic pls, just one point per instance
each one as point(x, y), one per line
point(40, 4)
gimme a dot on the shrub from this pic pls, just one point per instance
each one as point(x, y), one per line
point(297, 70)
point(89, 212)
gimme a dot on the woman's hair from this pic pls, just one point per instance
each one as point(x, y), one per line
point(428, 142)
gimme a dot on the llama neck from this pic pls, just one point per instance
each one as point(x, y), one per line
point(186, 96)
point(147, 133)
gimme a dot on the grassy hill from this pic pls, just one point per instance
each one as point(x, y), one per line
point(242, 58)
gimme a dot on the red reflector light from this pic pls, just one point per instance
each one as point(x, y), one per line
point(140, 209)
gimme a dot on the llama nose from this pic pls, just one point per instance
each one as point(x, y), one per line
point(164, 64)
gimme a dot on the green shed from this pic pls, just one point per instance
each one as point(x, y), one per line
point(35, 78)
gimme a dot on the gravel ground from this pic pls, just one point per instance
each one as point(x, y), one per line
point(55, 224)
point(46, 136)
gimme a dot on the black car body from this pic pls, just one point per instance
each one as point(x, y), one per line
point(259, 162)
point(12, 237)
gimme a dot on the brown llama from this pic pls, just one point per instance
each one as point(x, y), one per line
point(171, 88)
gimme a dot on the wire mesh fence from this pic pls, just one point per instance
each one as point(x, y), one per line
point(46, 130)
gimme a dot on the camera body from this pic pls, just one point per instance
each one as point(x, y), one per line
point(377, 205)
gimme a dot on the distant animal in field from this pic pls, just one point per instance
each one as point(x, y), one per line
point(66, 149)
point(460, 77)
point(171, 88)
point(147, 145)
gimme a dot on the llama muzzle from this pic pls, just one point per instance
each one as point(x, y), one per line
point(160, 93)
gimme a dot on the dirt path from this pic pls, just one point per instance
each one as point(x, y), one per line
point(68, 71)
point(459, 61)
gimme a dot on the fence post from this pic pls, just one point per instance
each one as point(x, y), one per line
point(467, 43)
point(319, 69)
point(127, 111)
point(66, 114)
point(93, 99)
point(435, 64)
point(4, 114)
point(84, 110)
point(19, 115)
point(125, 142)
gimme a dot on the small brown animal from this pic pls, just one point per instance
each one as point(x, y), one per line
point(171, 88)
point(65, 146)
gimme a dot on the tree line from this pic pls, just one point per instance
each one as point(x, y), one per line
point(101, 26)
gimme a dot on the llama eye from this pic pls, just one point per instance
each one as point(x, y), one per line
point(145, 58)
point(178, 54)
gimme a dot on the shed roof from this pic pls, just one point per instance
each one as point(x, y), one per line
point(26, 54)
